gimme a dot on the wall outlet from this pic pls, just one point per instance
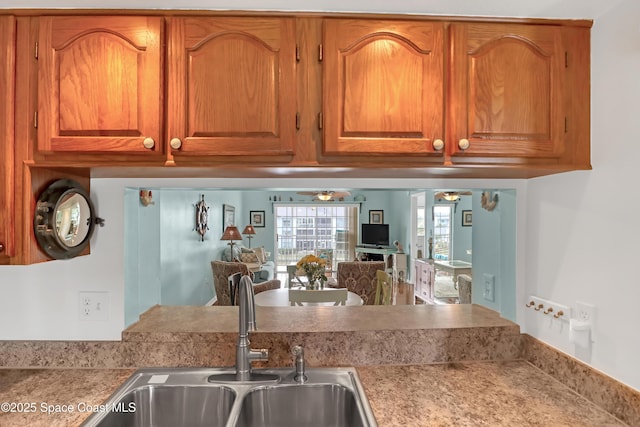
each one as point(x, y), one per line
point(488, 292)
point(93, 305)
point(585, 312)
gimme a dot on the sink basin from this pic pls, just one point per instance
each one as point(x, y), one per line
point(171, 406)
point(212, 397)
point(300, 405)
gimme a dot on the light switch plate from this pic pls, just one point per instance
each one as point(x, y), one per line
point(489, 282)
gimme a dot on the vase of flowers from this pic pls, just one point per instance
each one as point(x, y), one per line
point(313, 267)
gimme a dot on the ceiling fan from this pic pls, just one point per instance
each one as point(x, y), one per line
point(325, 195)
point(451, 196)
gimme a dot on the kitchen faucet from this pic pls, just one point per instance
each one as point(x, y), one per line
point(247, 322)
point(244, 354)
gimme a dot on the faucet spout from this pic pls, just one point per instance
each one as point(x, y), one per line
point(247, 322)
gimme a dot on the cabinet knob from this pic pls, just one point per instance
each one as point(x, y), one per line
point(438, 144)
point(175, 143)
point(148, 143)
point(1, 247)
point(463, 144)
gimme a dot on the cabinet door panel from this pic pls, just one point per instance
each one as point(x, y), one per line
point(100, 87)
point(506, 97)
point(7, 174)
point(232, 85)
point(383, 86)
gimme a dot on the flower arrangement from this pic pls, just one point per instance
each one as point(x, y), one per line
point(313, 268)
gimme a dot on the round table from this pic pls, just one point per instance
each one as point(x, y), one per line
point(280, 298)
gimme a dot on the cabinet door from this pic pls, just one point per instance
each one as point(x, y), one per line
point(231, 86)
point(506, 91)
point(100, 84)
point(383, 87)
point(7, 80)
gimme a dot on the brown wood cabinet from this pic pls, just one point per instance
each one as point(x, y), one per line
point(383, 87)
point(508, 92)
point(461, 98)
point(7, 101)
point(100, 87)
point(231, 86)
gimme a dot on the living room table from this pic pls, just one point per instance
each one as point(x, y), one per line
point(280, 298)
point(454, 267)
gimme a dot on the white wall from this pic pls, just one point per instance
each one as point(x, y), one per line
point(582, 234)
point(577, 232)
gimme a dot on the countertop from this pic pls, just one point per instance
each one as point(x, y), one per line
point(510, 393)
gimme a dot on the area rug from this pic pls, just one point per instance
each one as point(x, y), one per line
point(444, 286)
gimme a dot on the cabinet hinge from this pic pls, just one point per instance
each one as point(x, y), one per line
point(297, 53)
point(35, 120)
point(320, 119)
point(320, 52)
point(566, 125)
point(566, 60)
point(297, 121)
point(35, 51)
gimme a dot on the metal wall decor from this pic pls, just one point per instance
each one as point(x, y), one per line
point(202, 218)
point(64, 219)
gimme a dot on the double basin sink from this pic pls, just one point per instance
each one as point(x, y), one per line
point(212, 397)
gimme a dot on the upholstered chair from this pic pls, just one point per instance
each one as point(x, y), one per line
point(222, 270)
point(464, 288)
point(360, 277)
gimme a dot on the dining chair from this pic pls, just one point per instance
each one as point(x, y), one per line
point(384, 288)
point(337, 296)
point(291, 270)
point(360, 277)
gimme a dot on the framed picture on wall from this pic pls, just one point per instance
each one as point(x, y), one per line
point(228, 216)
point(467, 217)
point(376, 217)
point(256, 218)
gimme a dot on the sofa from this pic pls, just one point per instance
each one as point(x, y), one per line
point(254, 258)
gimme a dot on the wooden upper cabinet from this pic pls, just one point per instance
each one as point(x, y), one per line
point(100, 86)
point(383, 87)
point(506, 91)
point(7, 101)
point(231, 86)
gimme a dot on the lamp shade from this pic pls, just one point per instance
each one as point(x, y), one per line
point(451, 196)
point(249, 230)
point(231, 233)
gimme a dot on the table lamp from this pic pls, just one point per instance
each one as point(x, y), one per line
point(249, 231)
point(231, 233)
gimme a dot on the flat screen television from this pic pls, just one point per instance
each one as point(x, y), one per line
point(375, 234)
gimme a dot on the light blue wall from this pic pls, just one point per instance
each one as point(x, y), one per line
point(141, 254)
point(494, 252)
point(462, 236)
point(166, 261)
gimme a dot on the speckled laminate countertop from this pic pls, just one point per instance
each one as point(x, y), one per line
point(512, 393)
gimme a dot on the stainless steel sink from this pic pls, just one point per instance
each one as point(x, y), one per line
point(211, 397)
point(158, 405)
point(300, 405)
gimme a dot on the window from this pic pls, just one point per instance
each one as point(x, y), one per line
point(442, 231)
point(317, 228)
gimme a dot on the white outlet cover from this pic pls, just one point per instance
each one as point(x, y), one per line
point(585, 312)
point(93, 305)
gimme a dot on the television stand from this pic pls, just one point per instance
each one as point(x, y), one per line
point(393, 260)
point(380, 250)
